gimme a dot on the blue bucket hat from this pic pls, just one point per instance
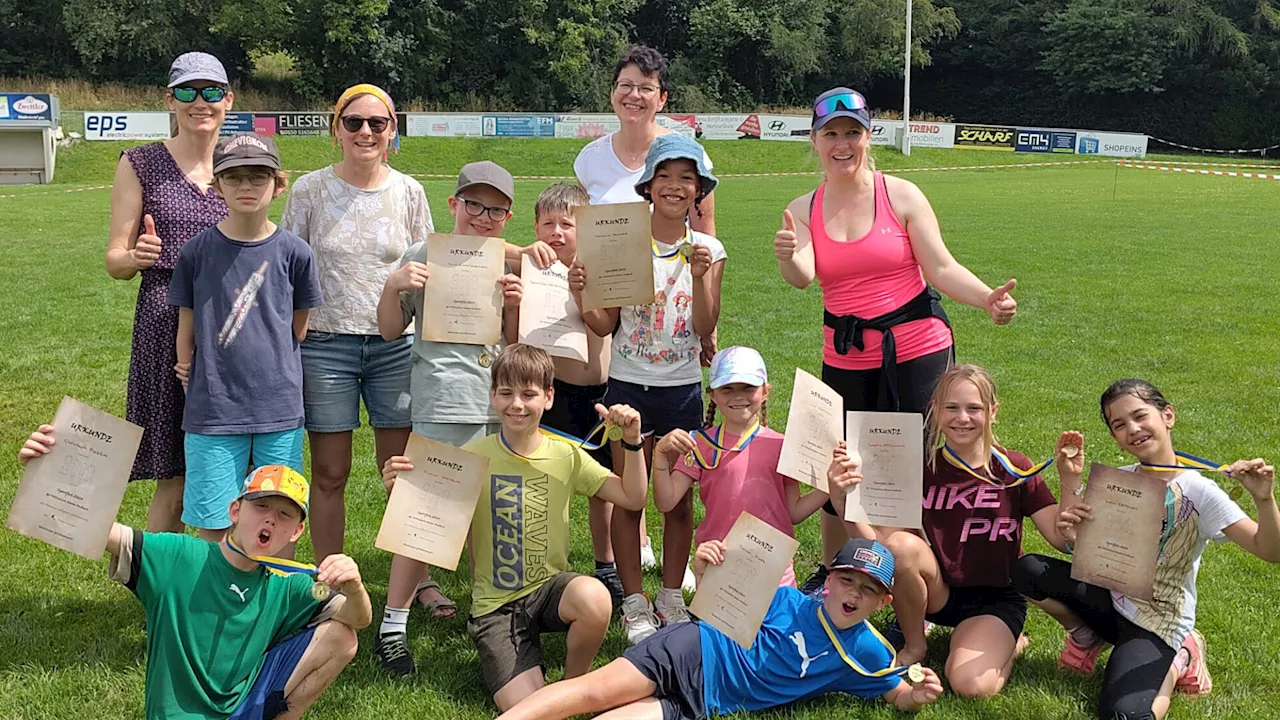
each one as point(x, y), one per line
point(675, 146)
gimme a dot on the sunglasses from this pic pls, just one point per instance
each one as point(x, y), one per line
point(475, 209)
point(211, 94)
point(376, 124)
point(851, 101)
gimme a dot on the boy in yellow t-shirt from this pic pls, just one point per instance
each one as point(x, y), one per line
point(521, 582)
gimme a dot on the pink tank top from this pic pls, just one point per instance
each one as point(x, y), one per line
point(868, 277)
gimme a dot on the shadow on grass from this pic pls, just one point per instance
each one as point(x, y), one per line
point(58, 633)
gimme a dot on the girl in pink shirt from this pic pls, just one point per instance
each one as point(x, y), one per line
point(735, 462)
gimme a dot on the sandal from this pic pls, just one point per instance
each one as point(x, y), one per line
point(435, 607)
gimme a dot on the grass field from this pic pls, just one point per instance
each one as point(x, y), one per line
point(1120, 272)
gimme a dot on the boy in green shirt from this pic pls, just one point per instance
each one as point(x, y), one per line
point(521, 582)
point(226, 636)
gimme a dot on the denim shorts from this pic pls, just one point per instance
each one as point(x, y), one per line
point(337, 370)
point(217, 466)
point(662, 409)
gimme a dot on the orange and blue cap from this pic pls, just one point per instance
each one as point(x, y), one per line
point(278, 480)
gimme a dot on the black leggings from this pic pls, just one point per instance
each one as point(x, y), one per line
point(1140, 659)
point(916, 380)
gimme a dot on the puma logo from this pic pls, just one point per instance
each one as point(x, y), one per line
point(236, 589)
point(797, 637)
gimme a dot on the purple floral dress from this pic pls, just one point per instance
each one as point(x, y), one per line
point(155, 400)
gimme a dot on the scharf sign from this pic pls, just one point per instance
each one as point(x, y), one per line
point(987, 137)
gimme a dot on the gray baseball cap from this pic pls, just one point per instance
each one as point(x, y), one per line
point(244, 149)
point(197, 66)
point(488, 173)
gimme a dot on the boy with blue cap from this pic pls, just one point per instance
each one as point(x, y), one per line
point(806, 647)
point(654, 361)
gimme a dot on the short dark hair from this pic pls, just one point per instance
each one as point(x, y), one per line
point(1141, 389)
point(648, 61)
point(521, 366)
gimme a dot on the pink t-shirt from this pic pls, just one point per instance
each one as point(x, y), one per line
point(868, 277)
point(747, 480)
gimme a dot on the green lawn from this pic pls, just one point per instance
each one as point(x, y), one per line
point(1121, 273)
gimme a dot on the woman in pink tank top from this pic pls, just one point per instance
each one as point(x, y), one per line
point(874, 246)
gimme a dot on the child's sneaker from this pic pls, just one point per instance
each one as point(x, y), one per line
point(816, 583)
point(609, 578)
point(670, 608)
point(648, 560)
point(690, 582)
point(1194, 679)
point(1078, 658)
point(896, 637)
point(392, 654)
point(638, 620)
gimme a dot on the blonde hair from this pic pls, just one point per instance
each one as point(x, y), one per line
point(559, 198)
point(933, 423)
point(521, 366)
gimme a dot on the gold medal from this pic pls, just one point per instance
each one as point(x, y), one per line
point(686, 250)
point(915, 673)
point(321, 592)
point(1070, 451)
point(614, 433)
point(485, 358)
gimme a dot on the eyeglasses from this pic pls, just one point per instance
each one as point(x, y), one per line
point(851, 101)
point(256, 179)
point(625, 87)
point(211, 94)
point(353, 123)
point(475, 209)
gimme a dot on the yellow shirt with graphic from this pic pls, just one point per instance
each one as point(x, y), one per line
point(520, 530)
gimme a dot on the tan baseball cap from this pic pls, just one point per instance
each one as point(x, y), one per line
point(488, 173)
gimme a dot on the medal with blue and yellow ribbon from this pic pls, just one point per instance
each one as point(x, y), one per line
point(683, 250)
point(283, 566)
point(1187, 461)
point(606, 432)
point(1021, 477)
point(719, 451)
point(914, 673)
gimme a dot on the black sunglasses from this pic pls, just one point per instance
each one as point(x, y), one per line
point(212, 94)
point(376, 124)
point(475, 209)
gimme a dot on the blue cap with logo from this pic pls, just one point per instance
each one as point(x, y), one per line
point(868, 557)
point(675, 146)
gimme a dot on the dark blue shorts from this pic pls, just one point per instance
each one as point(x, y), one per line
point(662, 409)
point(672, 659)
point(574, 412)
point(266, 700)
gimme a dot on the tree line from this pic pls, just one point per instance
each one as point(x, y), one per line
point(1202, 72)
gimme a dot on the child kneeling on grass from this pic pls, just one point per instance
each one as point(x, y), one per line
point(225, 636)
point(519, 540)
point(806, 647)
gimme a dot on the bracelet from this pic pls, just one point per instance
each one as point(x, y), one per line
point(1067, 543)
point(633, 448)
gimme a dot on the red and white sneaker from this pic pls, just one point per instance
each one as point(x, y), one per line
point(1195, 680)
point(1078, 658)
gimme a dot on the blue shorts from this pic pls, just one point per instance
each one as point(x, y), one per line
point(662, 409)
point(337, 370)
point(266, 699)
point(672, 659)
point(218, 464)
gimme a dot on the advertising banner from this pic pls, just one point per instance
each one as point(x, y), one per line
point(126, 126)
point(1111, 144)
point(586, 126)
point(25, 106)
point(1033, 141)
point(519, 126)
point(297, 124)
point(884, 133)
point(1063, 142)
point(785, 127)
point(932, 135)
point(986, 137)
point(237, 123)
point(722, 127)
point(424, 125)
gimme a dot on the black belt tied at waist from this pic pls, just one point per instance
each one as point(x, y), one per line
point(848, 334)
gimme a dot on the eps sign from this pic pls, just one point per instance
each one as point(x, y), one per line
point(106, 123)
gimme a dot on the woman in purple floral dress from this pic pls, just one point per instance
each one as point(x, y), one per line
point(162, 197)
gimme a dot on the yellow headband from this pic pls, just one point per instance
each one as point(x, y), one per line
point(365, 89)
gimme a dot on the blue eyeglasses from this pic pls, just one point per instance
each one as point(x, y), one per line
point(851, 101)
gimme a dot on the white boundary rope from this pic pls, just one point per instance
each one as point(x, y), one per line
point(1200, 171)
point(1244, 151)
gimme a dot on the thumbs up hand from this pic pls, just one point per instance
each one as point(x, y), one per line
point(1000, 305)
point(147, 250)
point(784, 241)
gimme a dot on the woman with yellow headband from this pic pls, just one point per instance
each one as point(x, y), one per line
point(360, 216)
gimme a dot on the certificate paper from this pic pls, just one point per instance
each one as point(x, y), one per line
point(1119, 547)
point(892, 487)
point(549, 317)
point(615, 246)
point(462, 301)
point(735, 595)
point(429, 512)
point(814, 426)
point(69, 497)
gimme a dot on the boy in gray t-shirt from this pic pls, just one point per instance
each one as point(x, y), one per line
point(450, 381)
point(244, 291)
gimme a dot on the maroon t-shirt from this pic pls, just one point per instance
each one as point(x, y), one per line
point(976, 528)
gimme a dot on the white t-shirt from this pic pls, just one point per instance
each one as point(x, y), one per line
point(606, 179)
point(655, 344)
point(1200, 512)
